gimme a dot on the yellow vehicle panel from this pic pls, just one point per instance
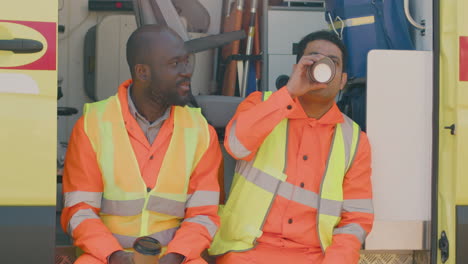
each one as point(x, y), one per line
point(28, 104)
point(453, 152)
point(28, 134)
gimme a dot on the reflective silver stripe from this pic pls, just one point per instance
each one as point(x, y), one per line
point(79, 217)
point(204, 221)
point(166, 206)
point(297, 194)
point(305, 197)
point(122, 208)
point(352, 229)
point(330, 207)
point(202, 198)
point(164, 237)
point(348, 135)
point(90, 198)
point(353, 154)
point(235, 145)
point(286, 189)
point(358, 205)
point(125, 241)
point(347, 131)
point(309, 198)
point(256, 176)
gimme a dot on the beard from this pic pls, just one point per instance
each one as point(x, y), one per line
point(174, 98)
point(171, 96)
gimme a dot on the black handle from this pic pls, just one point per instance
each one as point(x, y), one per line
point(451, 128)
point(66, 111)
point(444, 247)
point(19, 45)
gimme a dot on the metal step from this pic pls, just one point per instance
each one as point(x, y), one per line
point(395, 257)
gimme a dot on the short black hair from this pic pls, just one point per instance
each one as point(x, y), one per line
point(139, 44)
point(322, 35)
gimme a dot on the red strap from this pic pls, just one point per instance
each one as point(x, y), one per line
point(464, 59)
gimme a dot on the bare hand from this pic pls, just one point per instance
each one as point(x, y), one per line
point(299, 83)
point(121, 257)
point(172, 258)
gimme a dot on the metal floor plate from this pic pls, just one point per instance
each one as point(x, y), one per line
point(395, 257)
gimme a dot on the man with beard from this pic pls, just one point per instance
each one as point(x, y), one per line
point(142, 163)
point(302, 191)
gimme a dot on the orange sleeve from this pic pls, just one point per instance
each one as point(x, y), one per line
point(83, 187)
point(357, 217)
point(254, 114)
point(201, 218)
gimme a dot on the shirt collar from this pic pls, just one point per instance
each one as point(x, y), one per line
point(331, 117)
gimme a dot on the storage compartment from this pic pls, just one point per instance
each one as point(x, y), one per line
point(399, 126)
point(286, 26)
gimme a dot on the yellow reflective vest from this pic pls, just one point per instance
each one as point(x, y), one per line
point(128, 209)
point(257, 183)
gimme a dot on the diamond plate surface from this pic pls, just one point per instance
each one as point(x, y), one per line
point(422, 257)
point(64, 260)
point(386, 258)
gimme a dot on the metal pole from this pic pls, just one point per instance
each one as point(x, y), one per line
point(435, 132)
point(264, 40)
point(253, 11)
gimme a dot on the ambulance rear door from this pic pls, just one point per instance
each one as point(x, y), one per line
point(452, 195)
point(28, 120)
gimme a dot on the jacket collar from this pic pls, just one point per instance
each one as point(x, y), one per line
point(331, 117)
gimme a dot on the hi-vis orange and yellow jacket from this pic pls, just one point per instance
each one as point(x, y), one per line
point(118, 187)
point(302, 193)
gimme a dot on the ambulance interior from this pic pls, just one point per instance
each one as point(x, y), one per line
point(392, 98)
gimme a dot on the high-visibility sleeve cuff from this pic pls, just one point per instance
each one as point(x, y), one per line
point(344, 249)
point(93, 238)
point(105, 253)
